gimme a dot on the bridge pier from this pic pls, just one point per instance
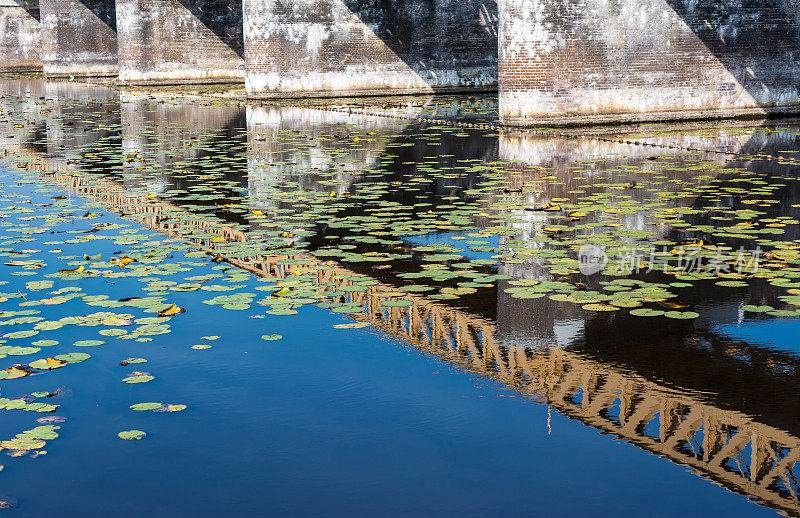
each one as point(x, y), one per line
point(180, 41)
point(79, 38)
point(579, 61)
point(20, 41)
point(351, 47)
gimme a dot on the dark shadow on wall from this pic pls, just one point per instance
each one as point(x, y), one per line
point(30, 6)
point(223, 18)
point(757, 41)
point(426, 34)
point(105, 10)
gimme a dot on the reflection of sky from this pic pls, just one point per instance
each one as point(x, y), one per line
point(779, 334)
point(446, 237)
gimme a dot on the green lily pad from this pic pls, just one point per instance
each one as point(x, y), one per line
point(73, 357)
point(88, 343)
point(146, 406)
point(757, 309)
point(646, 312)
point(681, 315)
point(130, 435)
point(140, 378)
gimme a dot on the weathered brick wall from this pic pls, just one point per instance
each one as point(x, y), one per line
point(78, 37)
point(20, 41)
point(601, 60)
point(340, 47)
point(180, 40)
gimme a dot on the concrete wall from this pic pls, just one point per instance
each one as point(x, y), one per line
point(79, 37)
point(350, 47)
point(20, 41)
point(603, 60)
point(163, 41)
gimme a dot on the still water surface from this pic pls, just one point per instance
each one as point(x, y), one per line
point(475, 370)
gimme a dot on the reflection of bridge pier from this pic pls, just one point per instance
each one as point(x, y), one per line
point(158, 137)
point(73, 126)
point(285, 146)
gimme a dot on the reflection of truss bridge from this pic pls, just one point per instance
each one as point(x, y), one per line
point(725, 446)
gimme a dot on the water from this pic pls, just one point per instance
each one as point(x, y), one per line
point(458, 397)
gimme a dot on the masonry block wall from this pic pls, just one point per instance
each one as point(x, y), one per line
point(600, 60)
point(351, 47)
point(20, 41)
point(162, 41)
point(79, 37)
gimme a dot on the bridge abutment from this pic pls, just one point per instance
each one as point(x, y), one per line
point(361, 47)
point(79, 38)
point(20, 40)
point(180, 41)
point(579, 61)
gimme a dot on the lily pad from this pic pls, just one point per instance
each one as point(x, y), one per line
point(130, 435)
point(146, 406)
point(140, 378)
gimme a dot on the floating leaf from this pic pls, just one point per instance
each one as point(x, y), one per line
point(21, 334)
point(88, 343)
point(171, 310)
point(47, 364)
point(146, 406)
point(45, 343)
point(129, 435)
point(352, 325)
point(13, 372)
point(73, 357)
point(139, 378)
point(757, 309)
point(681, 315)
point(646, 312)
point(397, 303)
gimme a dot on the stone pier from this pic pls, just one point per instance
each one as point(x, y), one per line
point(79, 38)
point(366, 47)
point(20, 41)
point(579, 61)
point(180, 41)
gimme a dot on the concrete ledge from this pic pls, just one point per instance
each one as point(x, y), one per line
point(176, 81)
point(22, 67)
point(374, 92)
point(567, 120)
point(81, 75)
